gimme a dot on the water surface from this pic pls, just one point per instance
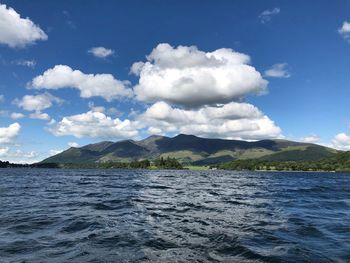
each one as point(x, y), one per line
point(173, 216)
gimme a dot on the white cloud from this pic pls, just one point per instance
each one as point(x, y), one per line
point(189, 77)
point(25, 63)
point(133, 113)
point(16, 115)
point(31, 154)
point(27, 155)
point(37, 102)
point(39, 116)
point(344, 31)
point(341, 142)
point(154, 131)
point(73, 144)
point(4, 151)
point(18, 156)
point(278, 71)
point(95, 125)
point(2, 98)
point(110, 111)
point(233, 120)
point(51, 122)
point(8, 134)
point(96, 108)
point(54, 152)
point(101, 52)
point(312, 138)
point(90, 85)
point(114, 111)
point(267, 15)
point(16, 31)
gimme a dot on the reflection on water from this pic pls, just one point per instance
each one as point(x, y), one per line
point(173, 216)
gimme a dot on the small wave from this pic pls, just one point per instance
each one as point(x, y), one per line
point(78, 225)
point(101, 206)
point(309, 231)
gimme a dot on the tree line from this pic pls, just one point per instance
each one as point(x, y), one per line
point(339, 162)
point(7, 164)
point(160, 163)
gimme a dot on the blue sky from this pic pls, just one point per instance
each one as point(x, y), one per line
point(69, 72)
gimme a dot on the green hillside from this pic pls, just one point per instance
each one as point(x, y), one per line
point(338, 162)
point(73, 155)
point(308, 153)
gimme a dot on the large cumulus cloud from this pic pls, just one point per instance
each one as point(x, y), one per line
point(233, 120)
point(37, 102)
point(189, 77)
point(90, 85)
point(95, 125)
point(8, 134)
point(16, 31)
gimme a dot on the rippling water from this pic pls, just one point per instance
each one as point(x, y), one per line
point(173, 216)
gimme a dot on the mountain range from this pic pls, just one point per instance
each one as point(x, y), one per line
point(190, 149)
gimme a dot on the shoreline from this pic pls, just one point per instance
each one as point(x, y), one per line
point(199, 168)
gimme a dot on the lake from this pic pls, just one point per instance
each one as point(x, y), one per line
point(61, 215)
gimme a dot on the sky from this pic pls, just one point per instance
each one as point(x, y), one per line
point(79, 72)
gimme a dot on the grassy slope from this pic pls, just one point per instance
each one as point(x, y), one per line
point(184, 156)
point(73, 155)
point(311, 153)
point(214, 160)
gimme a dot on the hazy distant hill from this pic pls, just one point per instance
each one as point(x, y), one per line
point(192, 149)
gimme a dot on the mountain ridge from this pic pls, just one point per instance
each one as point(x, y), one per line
point(191, 149)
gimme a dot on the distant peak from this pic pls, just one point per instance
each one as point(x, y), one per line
point(185, 135)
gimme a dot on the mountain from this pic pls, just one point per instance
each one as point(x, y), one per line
point(192, 149)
